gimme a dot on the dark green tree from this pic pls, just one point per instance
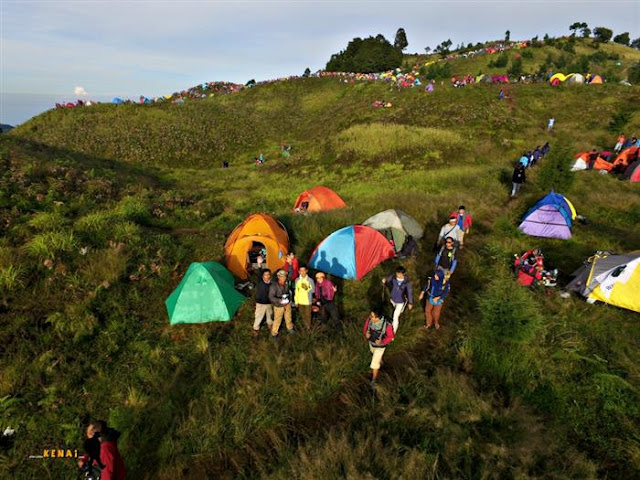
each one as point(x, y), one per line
point(307, 72)
point(373, 54)
point(574, 28)
point(622, 39)
point(507, 35)
point(555, 172)
point(585, 30)
point(444, 48)
point(636, 43)
point(401, 39)
point(602, 34)
point(427, 50)
point(516, 66)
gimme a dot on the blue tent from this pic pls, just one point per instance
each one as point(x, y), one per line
point(117, 100)
point(550, 217)
point(351, 252)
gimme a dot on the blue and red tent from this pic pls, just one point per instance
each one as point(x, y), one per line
point(351, 252)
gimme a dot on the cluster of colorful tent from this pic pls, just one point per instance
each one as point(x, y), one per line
point(575, 79)
point(207, 293)
point(627, 162)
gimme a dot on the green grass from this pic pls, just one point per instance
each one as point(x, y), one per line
point(120, 199)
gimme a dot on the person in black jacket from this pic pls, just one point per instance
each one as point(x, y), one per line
point(517, 179)
point(263, 303)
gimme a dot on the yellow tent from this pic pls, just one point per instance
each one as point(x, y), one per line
point(612, 279)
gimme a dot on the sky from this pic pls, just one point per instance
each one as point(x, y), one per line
point(107, 48)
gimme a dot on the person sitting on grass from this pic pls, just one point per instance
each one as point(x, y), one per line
point(436, 289)
point(379, 332)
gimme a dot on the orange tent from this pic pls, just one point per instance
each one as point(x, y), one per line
point(627, 156)
point(601, 164)
point(320, 199)
point(258, 231)
point(596, 79)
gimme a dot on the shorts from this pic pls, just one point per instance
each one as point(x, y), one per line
point(376, 359)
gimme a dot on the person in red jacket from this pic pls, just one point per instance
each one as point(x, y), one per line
point(464, 221)
point(379, 332)
point(291, 266)
point(109, 461)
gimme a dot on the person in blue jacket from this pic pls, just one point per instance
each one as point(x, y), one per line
point(401, 294)
point(436, 289)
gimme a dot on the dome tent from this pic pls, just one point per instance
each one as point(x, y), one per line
point(259, 230)
point(351, 252)
point(319, 199)
point(632, 172)
point(205, 294)
point(609, 278)
point(550, 217)
point(396, 225)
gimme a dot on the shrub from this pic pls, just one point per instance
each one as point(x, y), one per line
point(48, 245)
point(439, 71)
point(516, 67)
point(500, 62)
point(45, 221)
point(527, 53)
point(555, 171)
point(620, 120)
point(634, 74)
point(373, 54)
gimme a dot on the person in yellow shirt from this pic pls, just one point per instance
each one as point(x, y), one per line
point(303, 295)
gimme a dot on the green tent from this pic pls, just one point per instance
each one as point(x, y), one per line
point(396, 225)
point(205, 294)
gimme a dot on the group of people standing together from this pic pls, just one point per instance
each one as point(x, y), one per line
point(293, 287)
point(528, 159)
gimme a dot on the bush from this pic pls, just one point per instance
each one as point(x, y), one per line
point(620, 120)
point(527, 53)
point(516, 67)
point(634, 74)
point(509, 321)
point(500, 62)
point(555, 171)
point(439, 71)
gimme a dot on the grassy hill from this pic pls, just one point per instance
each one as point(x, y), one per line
point(102, 209)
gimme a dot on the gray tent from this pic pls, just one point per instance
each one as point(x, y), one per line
point(396, 225)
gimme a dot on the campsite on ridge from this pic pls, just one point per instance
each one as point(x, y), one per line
point(134, 237)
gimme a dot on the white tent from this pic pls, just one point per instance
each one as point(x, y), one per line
point(576, 79)
point(579, 165)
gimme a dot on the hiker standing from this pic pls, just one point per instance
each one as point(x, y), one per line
point(437, 288)
point(464, 221)
point(379, 332)
point(446, 258)
point(325, 295)
point(545, 149)
point(280, 296)
point(551, 123)
point(263, 304)
point(291, 266)
point(621, 140)
point(517, 179)
point(303, 295)
point(451, 230)
point(401, 294)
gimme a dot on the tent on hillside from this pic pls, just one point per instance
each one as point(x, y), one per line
point(627, 156)
point(117, 100)
point(351, 252)
point(550, 217)
point(205, 294)
point(318, 199)
point(609, 278)
point(581, 163)
point(395, 225)
point(256, 233)
point(594, 79)
point(576, 79)
point(632, 173)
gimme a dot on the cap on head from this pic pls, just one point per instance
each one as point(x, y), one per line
point(281, 274)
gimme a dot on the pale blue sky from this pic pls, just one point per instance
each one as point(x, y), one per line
point(128, 48)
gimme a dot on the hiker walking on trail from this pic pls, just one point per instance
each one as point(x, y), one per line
point(263, 303)
point(280, 296)
point(446, 258)
point(517, 179)
point(325, 295)
point(379, 332)
point(552, 122)
point(436, 289)
point(401, 294)
point(303, 295)
point(451, 230)
point(464, 221)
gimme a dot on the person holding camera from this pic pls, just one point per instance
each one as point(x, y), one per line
point(102, 452)
point(280, 296)
point(379, 332)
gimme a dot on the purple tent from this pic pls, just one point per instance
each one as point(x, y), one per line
point(546, 221)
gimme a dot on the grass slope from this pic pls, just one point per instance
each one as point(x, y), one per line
point(103, 208)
